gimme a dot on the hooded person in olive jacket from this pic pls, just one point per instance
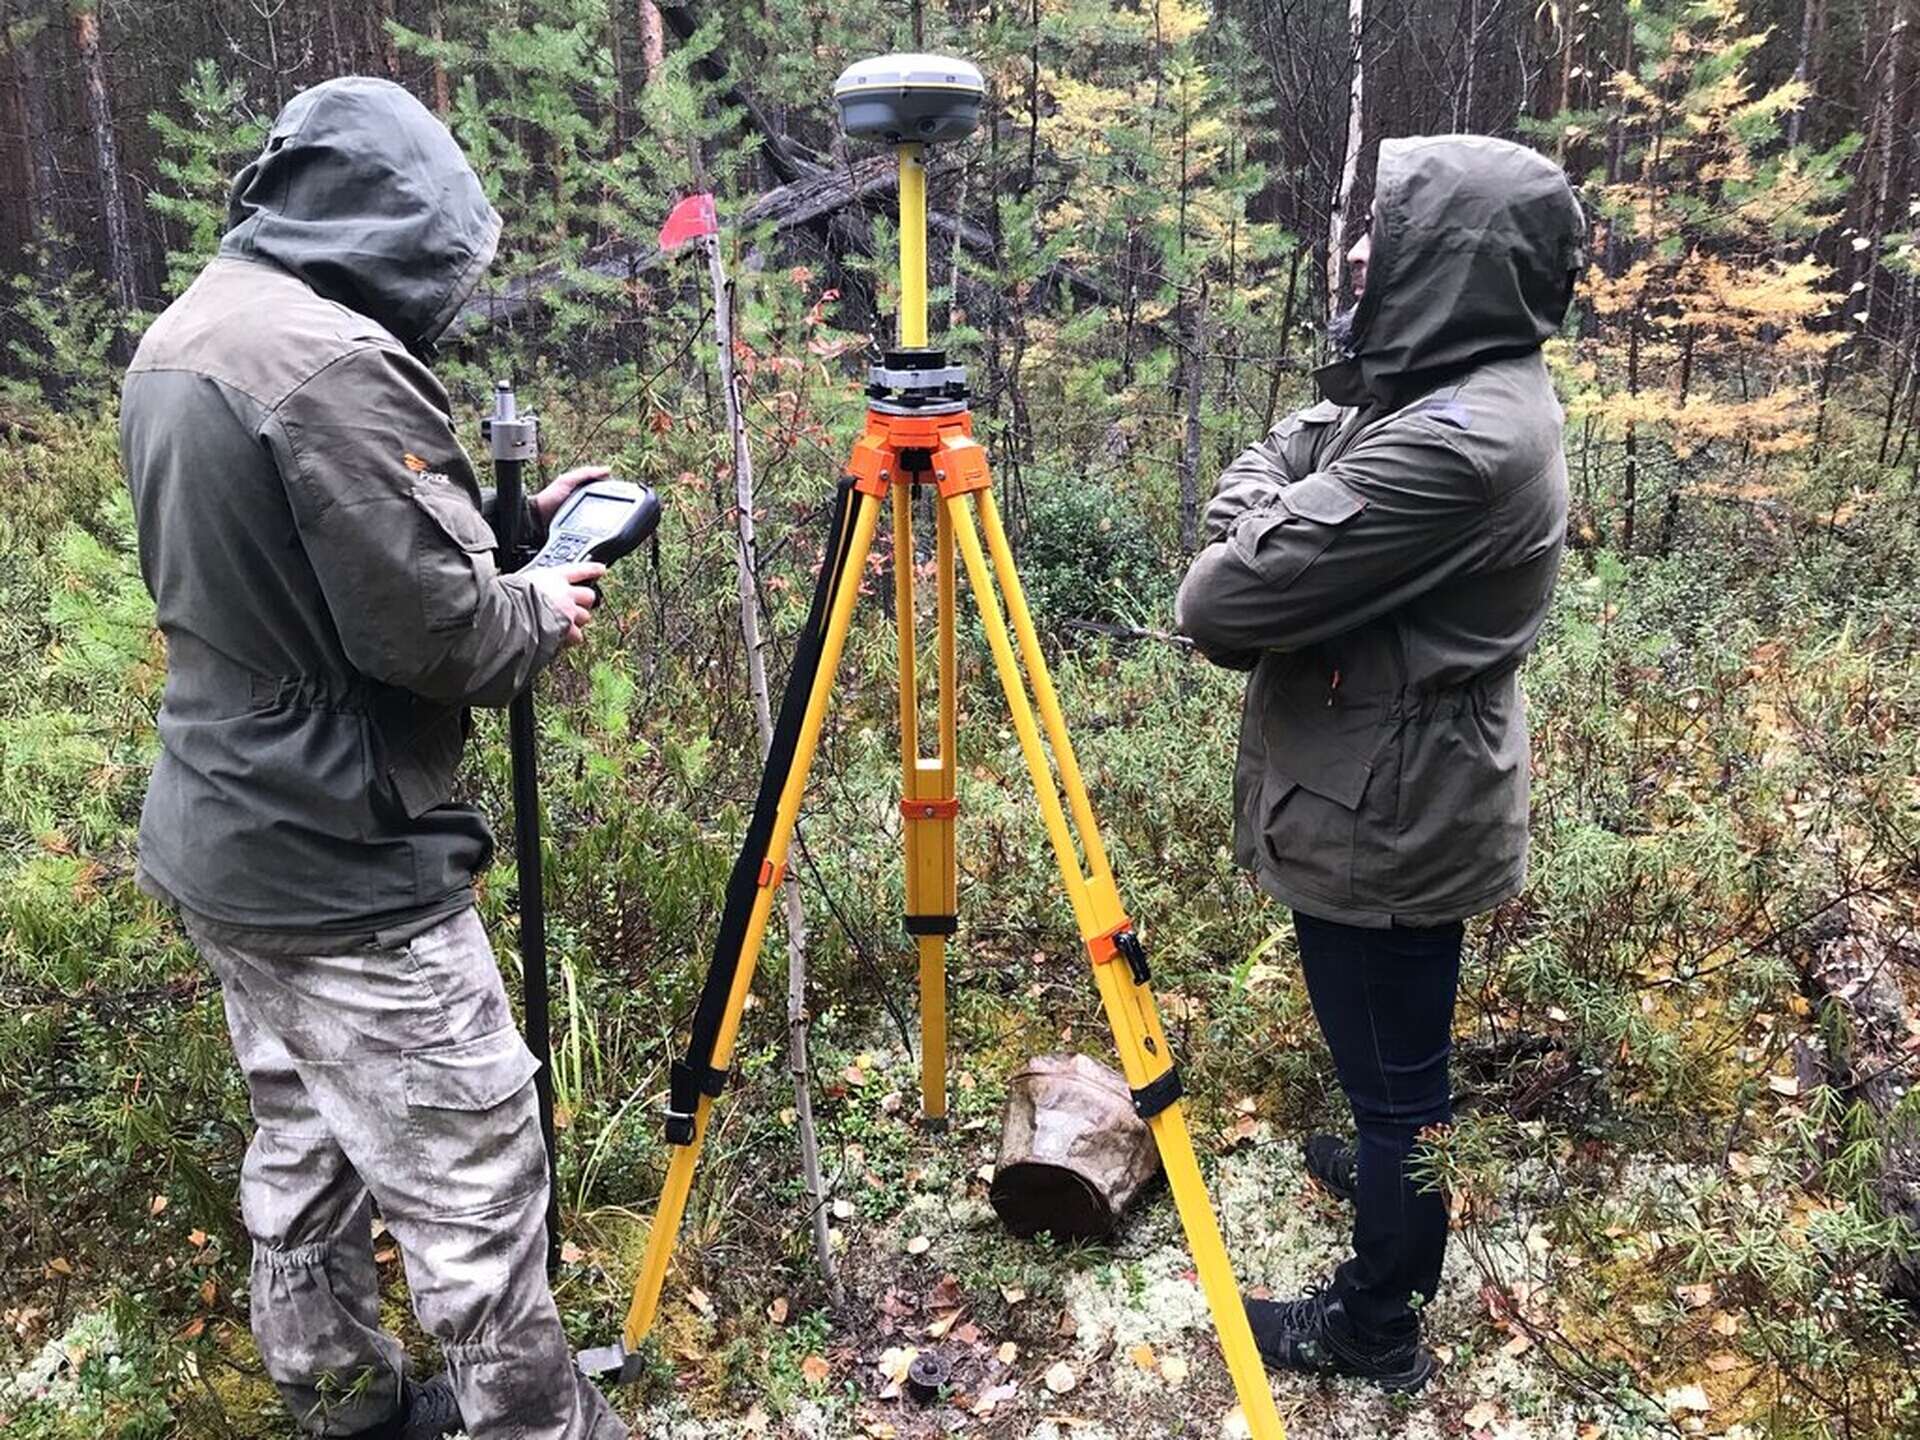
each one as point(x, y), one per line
point(1381, 564)
point(314, 538)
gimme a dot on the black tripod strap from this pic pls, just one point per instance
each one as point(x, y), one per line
point(696, 1075)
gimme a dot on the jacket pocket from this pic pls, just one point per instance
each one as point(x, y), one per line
point(1320, 768)
point(452, 553)
point(421, 750)
point(1309, 513)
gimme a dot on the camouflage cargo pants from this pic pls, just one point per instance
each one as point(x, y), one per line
point(396, 1076)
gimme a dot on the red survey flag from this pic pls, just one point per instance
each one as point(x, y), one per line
point(690, 219)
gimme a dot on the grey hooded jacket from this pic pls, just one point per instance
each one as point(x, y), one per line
point(312, 533)
point(1382, 561)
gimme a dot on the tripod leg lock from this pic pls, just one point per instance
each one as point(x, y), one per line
point(1157, 1094)
point(948, 925)
point(1123, 944)
point(686, 1083)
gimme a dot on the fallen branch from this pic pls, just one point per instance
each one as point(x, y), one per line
point(1869, 979)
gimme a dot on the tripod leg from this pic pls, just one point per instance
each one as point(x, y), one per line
point(928, 802)
point(742, 955)
point(1119, 962)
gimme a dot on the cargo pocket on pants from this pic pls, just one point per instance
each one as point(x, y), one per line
point(473, 1123)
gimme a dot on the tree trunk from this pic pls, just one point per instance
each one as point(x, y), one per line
point(1630, 490)
point(20, 171)
point(653, 40)
point(113, 198)
point(380, 35)
point(442, 102)
point(747, 572)
point(1350, 164)
point(1193, 321)
point(1802, 68)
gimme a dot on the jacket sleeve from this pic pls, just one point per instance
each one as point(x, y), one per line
point(388, 512)
point(1400, 513)
point(1258, 474)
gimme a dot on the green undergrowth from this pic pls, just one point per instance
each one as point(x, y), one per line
point(1666, 1208)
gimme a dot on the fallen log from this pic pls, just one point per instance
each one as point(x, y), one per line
point(818, 196)
point(1867, 975)
point(786, 207)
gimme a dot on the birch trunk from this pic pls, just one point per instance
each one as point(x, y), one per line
point(113, 198)
point(1350, 165)
point(747, 573)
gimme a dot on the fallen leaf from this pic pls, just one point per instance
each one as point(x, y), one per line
point(571, 1253)
point(919, 1245)
point(1693, 1297)
point(939, 1328)
point(895, 1360)
point(1142, 1355)
point(1482, 1414)
point(1720, 1364)
point(1060, 1377)
point(197, 1239)
point(698, 1299)
point(1173, 1369)
point(1518, 1345)
point(157, 1204)
point(1784, 1084)
point(1007, 1353)
point(1689, 1397)
point(777, 1311)
point(1726, 1324)
point(993, 1395)
point(1012, 1294)
point(816, 1370)
point(844, 1210)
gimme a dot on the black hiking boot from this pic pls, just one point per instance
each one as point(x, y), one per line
point(427, 1411)
point(1333, 1162)
point(431, 1410)
point(1313, 1336)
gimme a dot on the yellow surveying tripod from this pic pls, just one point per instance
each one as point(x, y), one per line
point(919, 432)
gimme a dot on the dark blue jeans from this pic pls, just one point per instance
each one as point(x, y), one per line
point(1384, 1000)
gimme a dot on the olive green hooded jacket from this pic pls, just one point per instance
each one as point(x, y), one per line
point(1383, 561)
point(312, 534)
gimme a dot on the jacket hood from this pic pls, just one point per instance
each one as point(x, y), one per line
point(363, 194)
point(1477, 243)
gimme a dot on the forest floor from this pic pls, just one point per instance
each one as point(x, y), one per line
point(1096, 1341)
point(1114, 1341)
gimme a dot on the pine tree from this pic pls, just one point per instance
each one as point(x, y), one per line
point(1712, 317)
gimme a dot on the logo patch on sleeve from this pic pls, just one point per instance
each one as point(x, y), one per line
point(1448, 411)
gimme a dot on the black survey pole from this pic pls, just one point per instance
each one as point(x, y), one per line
point(513, 440)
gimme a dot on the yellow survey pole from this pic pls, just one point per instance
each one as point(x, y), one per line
point(913, 247)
